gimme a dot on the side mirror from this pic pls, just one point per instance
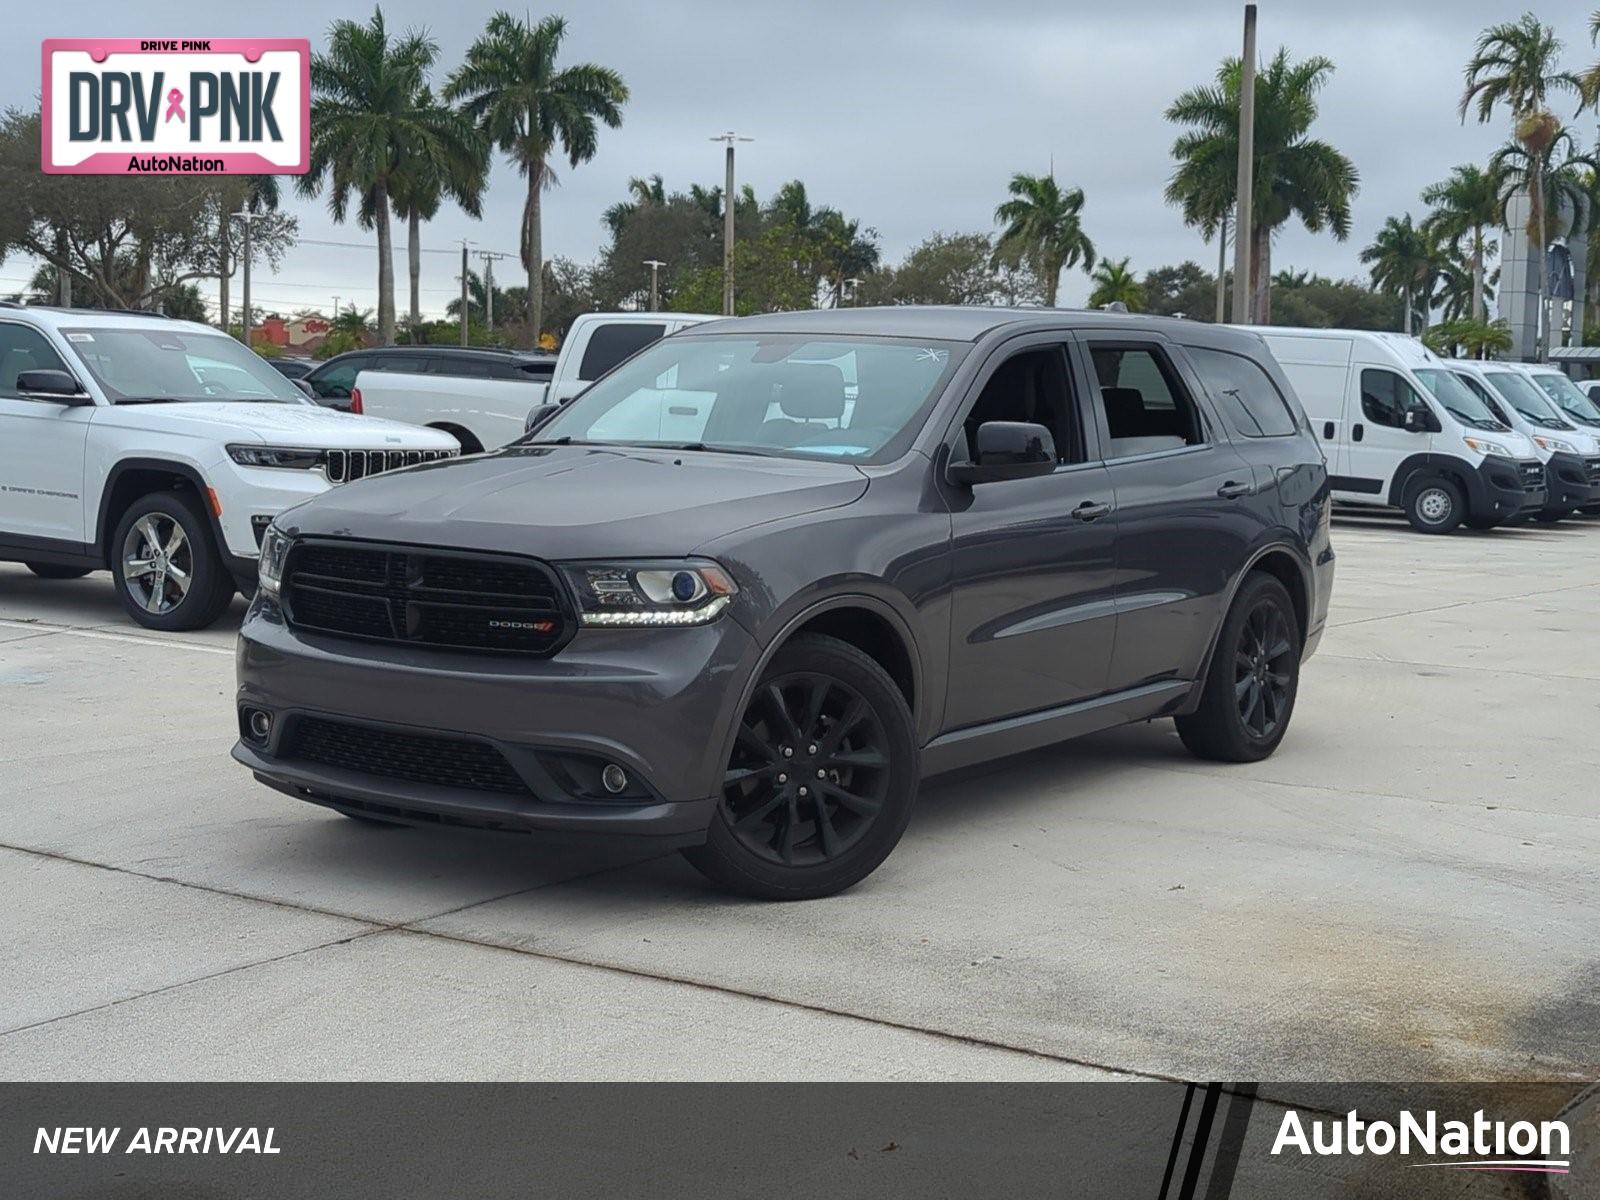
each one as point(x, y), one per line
point(540, 415)
point(1007, 450)
point(311, 392)
point(1420, 420)
point(51, 384)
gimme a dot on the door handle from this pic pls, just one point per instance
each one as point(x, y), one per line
point(1091, 510)
point(1232, 490)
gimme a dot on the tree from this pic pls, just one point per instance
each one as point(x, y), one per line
point(373, 127)
point(458, 167)
point(1589, 84)
point(1115, 284)
point(530, 109)
point(1478, 339)
point(773, 270)
point(1336, 304)
point(1515, 64)
point(642, 193)
point(262, 195)
point(1464, 206)
point(1401, 262)
point(950, 269)
point(1295, 175)
point(1187, 288)
point(350, 330)
point(1043, 229)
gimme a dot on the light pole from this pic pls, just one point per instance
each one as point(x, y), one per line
point(729, 139)
point(464, 296)
point(336, 308)
point(488, 257)
point(655, 265)
point(1244, 223)
point(246, 216)
point(854, 283)
point(1222, 270)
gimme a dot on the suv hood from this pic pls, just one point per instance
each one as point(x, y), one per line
point(305, 425)
point(567, 502)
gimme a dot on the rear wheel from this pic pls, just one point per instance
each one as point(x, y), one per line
point(168, 572)
point(51, 571)
point(821, 780)
point(1434, 504)
point(1254, 675)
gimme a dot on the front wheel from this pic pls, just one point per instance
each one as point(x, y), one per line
point(820, 783)
point(1253, 678)
point(51, 571)
point(169, 575)
point(1435, 505)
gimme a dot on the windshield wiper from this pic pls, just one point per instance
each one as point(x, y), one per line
point(148, 400)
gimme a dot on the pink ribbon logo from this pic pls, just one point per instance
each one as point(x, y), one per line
point(175, 105)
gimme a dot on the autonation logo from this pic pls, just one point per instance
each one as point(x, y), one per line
point(1476, 1145)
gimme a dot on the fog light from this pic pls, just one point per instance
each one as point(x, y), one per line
point(614, 778)
point(260, 726)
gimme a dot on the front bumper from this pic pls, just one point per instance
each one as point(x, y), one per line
point(1569, 483)
point(1504, 488)
point(657, 703)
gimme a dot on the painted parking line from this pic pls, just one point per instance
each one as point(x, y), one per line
point(46, 627)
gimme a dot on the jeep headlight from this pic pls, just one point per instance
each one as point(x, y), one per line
point(274, 549)
point(293, 457)
point(636, 594)
point(1554, 443)
point(1484, 446)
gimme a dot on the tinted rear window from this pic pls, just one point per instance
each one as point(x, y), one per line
point(1250, 401)
point(610, 344)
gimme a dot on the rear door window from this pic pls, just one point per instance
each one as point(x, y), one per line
point(610, 344)
point(1146, 409)
point(1250, 401)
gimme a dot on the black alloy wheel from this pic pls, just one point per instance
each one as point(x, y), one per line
point(1263, 668)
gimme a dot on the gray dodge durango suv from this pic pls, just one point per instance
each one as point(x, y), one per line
point(741, 594)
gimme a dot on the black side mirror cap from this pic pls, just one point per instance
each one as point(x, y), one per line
point(51, 384)
point(1421, 420)
point(311, 392)
point(540, 416)
point(1007, 450)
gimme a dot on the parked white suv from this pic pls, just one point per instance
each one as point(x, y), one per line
point(161, 449)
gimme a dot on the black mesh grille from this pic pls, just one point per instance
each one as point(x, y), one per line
point(414, 757)
point(426, 597)
point(1532, 476)
point(1591, 467)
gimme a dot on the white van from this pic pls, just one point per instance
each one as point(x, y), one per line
point(1570, 450)
point(1399, 433)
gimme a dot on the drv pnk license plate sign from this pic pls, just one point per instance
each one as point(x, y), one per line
point(168, 106)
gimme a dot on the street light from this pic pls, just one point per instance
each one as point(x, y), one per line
point(247, 216)
point(729, 139)
point(655, 265)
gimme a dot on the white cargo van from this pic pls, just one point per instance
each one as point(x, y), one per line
point(1392, 439)
point(1570, 450)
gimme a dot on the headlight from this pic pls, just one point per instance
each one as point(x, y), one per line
point(275, 456)
point(650, 593)
point(274, 549)
point(1554, 443)
point(1486, 447)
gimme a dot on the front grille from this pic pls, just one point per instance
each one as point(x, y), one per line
point(426, 597)
point(1591, 468)
point(413, 757)
point(1532, 476)
point(346, 466)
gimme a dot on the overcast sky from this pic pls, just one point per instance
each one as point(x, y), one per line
point(910, 116)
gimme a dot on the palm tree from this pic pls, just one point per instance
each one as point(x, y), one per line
point(1295, 175)
point(370, 125)
point(1515, 64)
point(1114, 283)
point(457, 166)
point(1590, 82)
point(1464, 206)
point(1401, 262)
point(531, 109)
point(846, 251)
point(1043, 229)
point(642, 193)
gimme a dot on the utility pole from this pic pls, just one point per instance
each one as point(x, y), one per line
point(1222, 270)
point(854, 283)
point(63, 277)
point(655, 265)
point(728, 206)
point(464, 296)
point(488, 258)
point(336, 308)
point(1244, 223)
point(247, 217)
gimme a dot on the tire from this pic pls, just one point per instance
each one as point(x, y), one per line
point(1250, 688)
point(1434, 504)
point(854, 755)
point(51, 571)
point(191, 597)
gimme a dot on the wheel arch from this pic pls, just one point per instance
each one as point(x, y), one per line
point(132, 478)
point(1279, 560)
point(461, 433)
point(1447, 465)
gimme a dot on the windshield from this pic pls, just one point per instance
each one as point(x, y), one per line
point(853, 398)
point(1528, 400)
point(145, 364)
point(1573, 403)
point(1460, 401)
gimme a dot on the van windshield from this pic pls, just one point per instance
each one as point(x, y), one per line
point(1535, 407)
point(790, 395)
point(1572, 403)
point(1460, 401)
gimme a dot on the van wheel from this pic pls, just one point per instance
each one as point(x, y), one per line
point(168, 573)
point(1250, 688)
point(51, 571)
point(1434, 505)
point(821, 780)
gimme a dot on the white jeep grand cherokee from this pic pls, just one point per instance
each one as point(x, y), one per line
point(161, 449)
